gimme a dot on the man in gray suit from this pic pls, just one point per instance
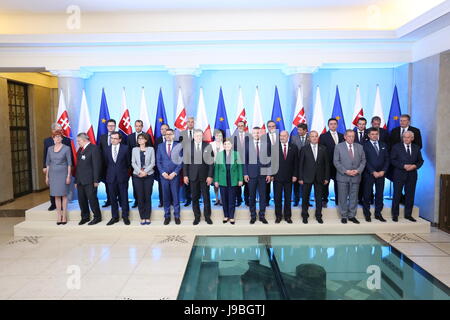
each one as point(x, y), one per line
point(350, 161)
point(300, 140)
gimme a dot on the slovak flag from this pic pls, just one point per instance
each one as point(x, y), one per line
point(299, 115)
point(318, 123)
point(358, 110)
point(125, 120)
point(84, 124)
point(202, 120)
point(62, 119)
point(257, 114)
point(181, 119)
point(143, 115)
point(241, 116)
point(378, 109)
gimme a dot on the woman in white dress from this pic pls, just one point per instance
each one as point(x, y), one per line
point(217, 146)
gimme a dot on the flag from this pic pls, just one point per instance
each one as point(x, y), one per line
point(202, 119)
point(257, 115)
point(84, 123)
point(241, 116)
point(337, 113)
point(125, 121)
point(62, 119)
point(378, 109)
point(395, 112)
point(221, 116)
point(180, 120)
point(299, 114)
point(318, 123)
point(103, 117)
point(143, 115)
point(277, 113)
point(358, 109)
point(161, 117)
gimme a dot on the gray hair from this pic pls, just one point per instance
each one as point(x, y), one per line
point(191, 118)
point(314, 131)
point(412, 133)
point(349, 131)
point(55, 126)
point(83, 136)
point(198, 131)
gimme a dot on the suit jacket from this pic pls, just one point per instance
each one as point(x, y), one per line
point(89, 165)
point(149, 164)
point(327, 140)
point(399, 157)
point(238, 146)
point(396, 138)
point(48, 142)
point(103, 143)
point(383, 135)
point(255, 166)
point(117, 172)
point(287, 168)
point(357, 139)
point(131, 141)
point(167, 164)
point(310, 170)
point(343, 162)
point(298, 141)
point(198, 165)
point(376, 162)
point(220, 169)
point(184, 135)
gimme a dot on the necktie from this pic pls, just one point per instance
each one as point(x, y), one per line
point(375, 145)
point(350, 151)
point(315, 152)
point(190, 135)
point(285, 152)
point(403, 131)
point(242, 138)
point(360, 136)
point(303, 140)
point(115, 153)
point(334, 138)
point(109, 139)
point(257, 148)
point(169, 151)
point(273, 138)
point(408, 150)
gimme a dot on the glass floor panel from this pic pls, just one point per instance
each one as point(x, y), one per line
point(316, 267)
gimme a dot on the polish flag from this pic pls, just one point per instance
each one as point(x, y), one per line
point(257, 115)
point(181, 119)
point(240, 116)
point(378, 109)
point(62, 119)
point(125, 121)
point(202, 120)
point(358, 110)
point(318, 123)
point(299, 115)
point(143, 115)
point(84, 124)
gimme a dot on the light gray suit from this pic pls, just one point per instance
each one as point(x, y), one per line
point(348, 186)
point(149, 164)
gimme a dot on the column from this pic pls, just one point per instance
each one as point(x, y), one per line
point(187, 80)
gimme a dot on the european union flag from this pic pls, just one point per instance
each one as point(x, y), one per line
point(395, 112)
point(161, 117)
point(221, 116)
point(277, 114)
point(337, 113)
point(103, 117)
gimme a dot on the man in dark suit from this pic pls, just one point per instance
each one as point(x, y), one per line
point(170, 162)
point(87, 178)
point(300, 140)
point(48, 142)
point(160, 140)
point(405, 125)
point(361, 138)
point(286, 173)
point(257, 174)
point(377, 164)
point(273, 144)
point(383, 134)
point(406, 159)
point(117, 159)
point(104, 144)
point(329, 140)
point(314, 169)
point(240, 139)
point(186, 137)
point(198, 172)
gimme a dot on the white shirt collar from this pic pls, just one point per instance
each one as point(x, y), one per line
point(85, 146)
point(348, 145)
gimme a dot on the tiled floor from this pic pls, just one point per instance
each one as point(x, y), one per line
point(28, 201)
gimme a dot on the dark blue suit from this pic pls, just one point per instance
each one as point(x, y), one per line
point(117, 179)
point(169, 164)
point(403, 178)
point(375, 162)
point(357, 136)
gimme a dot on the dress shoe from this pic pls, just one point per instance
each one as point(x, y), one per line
point(225, 220)
point(354, 220)
point(177, 221)
point(305, 220)
point(126, 220)
point(278, 220)
point(64, 223)
point(368, 219)
point(58, 223)
point(83, 221)
point(289, 220)
point(142, 223)
point(232, 221)
point(51, 208)
point(208, 220)
point(319, 220)
point(395, 219)
point(253, 220)
point(160, 205)
point(411, 219)
point(107, 204)
point(166, 221)
point(263, 220)
point(112, 221)
point(196, 221)
point(380, 217)
point(95, 221)
point(344, 221)
point(324, 204)
point(148, 222)
point(134, 205)
point(187, 204)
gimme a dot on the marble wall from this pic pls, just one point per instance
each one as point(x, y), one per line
point(6, 183)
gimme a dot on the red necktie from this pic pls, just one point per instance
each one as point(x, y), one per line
point(285, 152)
point(350, 151)
point(169, 152)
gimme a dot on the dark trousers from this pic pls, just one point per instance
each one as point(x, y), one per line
point(87, 196)
point(361, 189)
point(171, 189)
point(268, 192)
point(326, 192)
point(108, 195)
point(187, 193)
point(238, 193)
point(298, 188)
point(369, 181)
point(160, 191)
point(118, 193)
point(410, 190)
point(143, 188)
point(318, 194)
point(52, 201)
point(228, 196)
point(199, 187)
point(257, 184)
point(279, 189)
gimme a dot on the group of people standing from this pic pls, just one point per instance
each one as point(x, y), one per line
point(247, 163)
